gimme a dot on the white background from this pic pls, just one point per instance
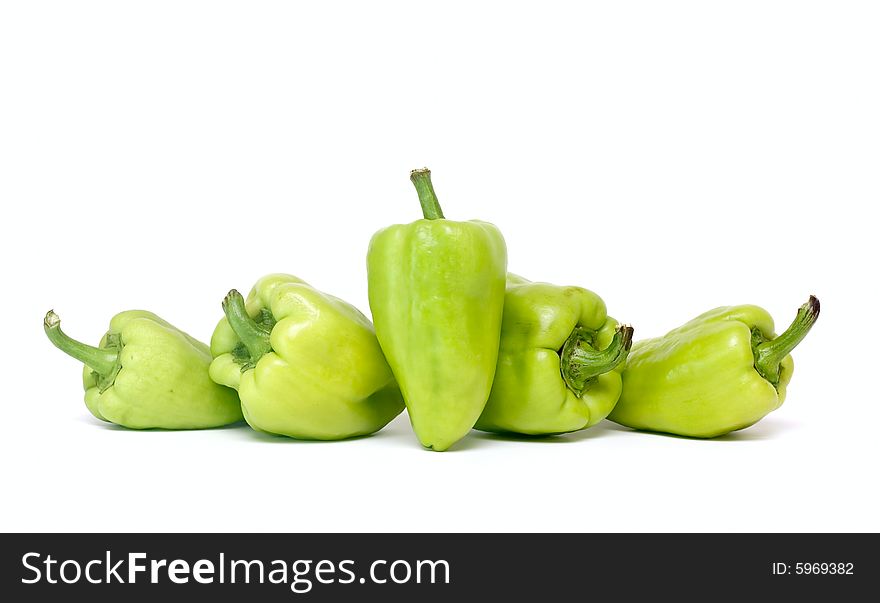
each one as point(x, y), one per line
point(671, 156)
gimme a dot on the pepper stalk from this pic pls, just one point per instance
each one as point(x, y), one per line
point(581, 363)
point(104, 362)
point(254, 337)
point(770, 354)
point(421, 178)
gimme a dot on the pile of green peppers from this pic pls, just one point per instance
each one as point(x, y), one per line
point(457, 340)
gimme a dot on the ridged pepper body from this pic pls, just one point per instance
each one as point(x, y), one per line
point(323, 376)
point(703, 379)
point(436, 290)
point(154, 376)
point(529, 394)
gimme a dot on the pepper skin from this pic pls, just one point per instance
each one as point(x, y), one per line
point(559, 362)
point(146, 374)
point(436, 290)
point(723, 371)
point(306, 364)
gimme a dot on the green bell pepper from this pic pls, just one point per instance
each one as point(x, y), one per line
point(723, 371)
point(559, 362)
point(436, 290)
point(146, 373)
point(305, 364)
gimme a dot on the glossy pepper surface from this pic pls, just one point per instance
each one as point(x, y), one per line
point(722, 371)
point(305, 364)
point(146, 373)
point(559, 361)
point(436, 290)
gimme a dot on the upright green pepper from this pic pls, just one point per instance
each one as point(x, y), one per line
point(722, 371)
point(306, 364)
point(146, 373)
point(559, 363)
point(436, 290)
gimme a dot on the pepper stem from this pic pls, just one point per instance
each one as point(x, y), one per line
point(102, 361)
point(253, 336)
point(769, 354)
point(581, 363)
point(427, 197)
